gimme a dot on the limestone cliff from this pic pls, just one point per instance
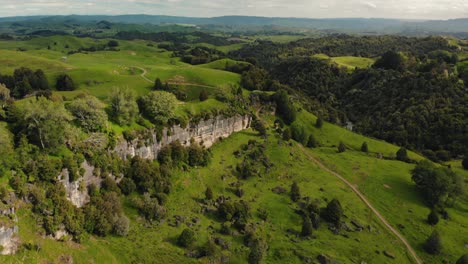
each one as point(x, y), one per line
point(9, 239)
point(205, 133)
point(77, 191)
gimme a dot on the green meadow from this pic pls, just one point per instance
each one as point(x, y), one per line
point(384, 181)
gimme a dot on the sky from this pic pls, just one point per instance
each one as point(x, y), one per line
point(404, 9)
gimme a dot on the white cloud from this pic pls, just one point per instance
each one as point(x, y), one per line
point(419, 9)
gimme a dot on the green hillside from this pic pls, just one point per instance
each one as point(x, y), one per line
point(237, 198)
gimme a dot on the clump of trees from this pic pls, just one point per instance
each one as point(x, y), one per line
point(24, 81)
point(65, 83)
point(123, 106)
point(158, 106)
point(284, 107)
point(43, 121)
point(439, 186)
point(89, 113)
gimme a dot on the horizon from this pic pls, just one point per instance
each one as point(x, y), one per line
point(234, 15)
point(312, 9)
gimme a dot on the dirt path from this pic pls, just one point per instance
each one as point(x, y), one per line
point(144, 72)
point(368, 204)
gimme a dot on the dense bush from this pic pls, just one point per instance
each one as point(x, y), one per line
point(433, 244)
point(187, 238)
point(65, 83)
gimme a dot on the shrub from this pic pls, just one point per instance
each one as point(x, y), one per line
point(306, 227)
point(295, 192)
point(433, 244)
point(65, 83)
point(257, 251)
point(402, 154)
point(463, 259)
point(127, 186)
point(203, 95)
point(186, 238)
point(433, 218)
point(333, 212)
point(287, 135)
point(364, 147)
point(319, 123)
point(341, 147)
point(208, 193)
point(121, 226)
point(312, 142)
point(465, 163)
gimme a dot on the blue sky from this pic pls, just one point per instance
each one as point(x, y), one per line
point(406, 9)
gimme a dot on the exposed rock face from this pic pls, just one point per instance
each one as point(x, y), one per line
point(205, 133)
point(77, 191)
point(9, 239)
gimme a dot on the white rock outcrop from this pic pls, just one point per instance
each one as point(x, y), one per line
point(205, 132)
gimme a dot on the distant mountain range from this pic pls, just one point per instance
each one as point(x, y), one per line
point(339, 25)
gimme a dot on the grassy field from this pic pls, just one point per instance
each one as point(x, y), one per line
point(349, 62)
point(156, 242)
point(388, 185)
point(98, 72)
point(386, 182)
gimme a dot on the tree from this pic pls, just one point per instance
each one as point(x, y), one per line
point(295, 192)
point(208, 193)
point(333, 212)
point(390, 60)
point(437, 184)
point(319, 123)
point(158, 85)
point(186, 238)
point(433, 244)
point(284, 107)
point(89, 113)
point(257, 251)
point(463, 259)
point(121, 226)
point(44, 122)
point(312, 142)
point(402, 154)
point(65, 83)
point(287, 134)
point(341, 147)
point(364, 147)
point(433, 218)
point(159, 106)
point(4, 98)
point(306, 227)
point(203, 95)
point(259, 126)
point(123, 108)
point(112, 43)
point(465, 162)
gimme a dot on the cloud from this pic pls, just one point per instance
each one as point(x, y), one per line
point(370, 5)
point(420, 9)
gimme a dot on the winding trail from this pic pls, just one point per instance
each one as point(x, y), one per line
point(144, 72)
point(368, 204)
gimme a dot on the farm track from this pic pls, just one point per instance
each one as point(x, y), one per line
point(144, 72)
point(366, 202)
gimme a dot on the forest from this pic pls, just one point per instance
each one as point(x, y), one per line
point(414, 94)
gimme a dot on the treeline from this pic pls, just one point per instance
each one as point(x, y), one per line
point(25, 81)
point(267, 53)
point(176, 37)
point(412, 96)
